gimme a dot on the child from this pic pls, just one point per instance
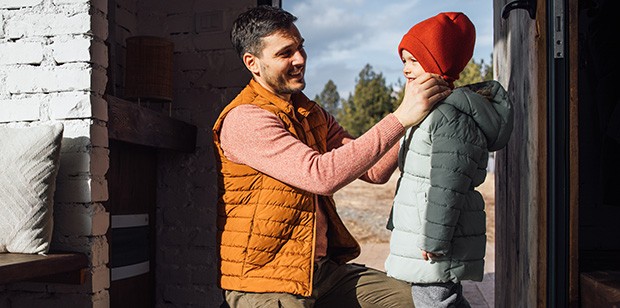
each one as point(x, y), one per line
point(438, 220)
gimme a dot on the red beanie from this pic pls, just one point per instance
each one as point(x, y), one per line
point(442, 44)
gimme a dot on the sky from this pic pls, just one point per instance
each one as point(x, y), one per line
point(342, 36)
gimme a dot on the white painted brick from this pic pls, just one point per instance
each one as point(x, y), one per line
point(78, 105)
point(151, 21)
point(237, 7)
point(99, 26)
point(80, 144)
point(101, 299)
point(179, 23)
point(25, 109)
point(96, 279)
point(100, 161)
point(74, 164)
point(99, 54)
point(95, 247)
point(72, 50)
point(87, 134)
point(31, 79)
point(83, 300)
point(4, 94)
point(99, 136)
point(212, 41)
point(101, 5)
point(121, 34)
point(95, 162)
point(100, 278)
point(77, 129)
point(130, 5)
point(13, 4)
point(83, 160)
point(99, 80)
point(29, 25)
point(82, 220)
point(21, 53)
point(81, 190)
point(126, 19)
point(71, 1)
point(1, 25)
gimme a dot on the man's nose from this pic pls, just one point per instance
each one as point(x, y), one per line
point(299, 57)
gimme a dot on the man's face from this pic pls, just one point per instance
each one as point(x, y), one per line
point(281, 65)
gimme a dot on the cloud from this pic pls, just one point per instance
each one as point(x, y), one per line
point(343, 36)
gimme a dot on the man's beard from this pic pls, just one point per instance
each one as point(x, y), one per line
point(281, 84)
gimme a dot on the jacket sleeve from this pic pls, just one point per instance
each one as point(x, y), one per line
point(454, 161)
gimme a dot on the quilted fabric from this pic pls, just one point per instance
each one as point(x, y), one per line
point(436, 205)
point(29, 158)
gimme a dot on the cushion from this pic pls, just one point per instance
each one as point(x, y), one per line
point(29, 158)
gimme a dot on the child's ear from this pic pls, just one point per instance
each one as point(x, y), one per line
point(251, 62)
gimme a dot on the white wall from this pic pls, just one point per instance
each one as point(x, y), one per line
point(53, 69)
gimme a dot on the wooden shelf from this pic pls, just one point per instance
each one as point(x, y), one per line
point(129, 122)
point(53, 267)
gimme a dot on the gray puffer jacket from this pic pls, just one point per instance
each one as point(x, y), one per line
point(436, 207)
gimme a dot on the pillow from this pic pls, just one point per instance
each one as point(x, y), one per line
point(29, 158)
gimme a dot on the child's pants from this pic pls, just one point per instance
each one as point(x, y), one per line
point(436, 295)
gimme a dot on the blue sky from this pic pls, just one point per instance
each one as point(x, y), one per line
point(344, 35)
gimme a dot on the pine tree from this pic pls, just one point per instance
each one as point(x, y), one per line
point(329, 98)
point(371, 101)
point(474, 72)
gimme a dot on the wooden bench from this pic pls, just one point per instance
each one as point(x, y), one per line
point(57, 267)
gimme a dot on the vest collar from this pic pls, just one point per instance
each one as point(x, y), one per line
point(299, 101)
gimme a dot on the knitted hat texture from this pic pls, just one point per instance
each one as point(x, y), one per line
point(442, 44)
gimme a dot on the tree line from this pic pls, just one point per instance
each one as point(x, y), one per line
point(372, 99)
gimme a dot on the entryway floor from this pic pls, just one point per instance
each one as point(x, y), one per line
point(478, 294)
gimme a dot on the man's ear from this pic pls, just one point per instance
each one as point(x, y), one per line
point(251, 62)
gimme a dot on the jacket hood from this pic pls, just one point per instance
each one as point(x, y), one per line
point(488, 104)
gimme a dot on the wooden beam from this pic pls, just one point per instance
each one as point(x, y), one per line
point(53, 267)
point(131, 123)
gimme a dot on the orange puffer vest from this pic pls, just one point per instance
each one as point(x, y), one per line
point(266, 228)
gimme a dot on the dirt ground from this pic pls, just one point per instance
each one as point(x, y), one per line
point(365, 208)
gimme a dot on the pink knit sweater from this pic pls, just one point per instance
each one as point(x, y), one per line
point(255, 137)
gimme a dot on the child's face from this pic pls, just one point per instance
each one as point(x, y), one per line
point(412, 68)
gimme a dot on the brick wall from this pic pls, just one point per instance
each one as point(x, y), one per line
point(207, 75)
point(53, 69)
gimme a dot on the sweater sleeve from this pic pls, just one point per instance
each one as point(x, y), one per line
point(265, 145)
point(381, 172)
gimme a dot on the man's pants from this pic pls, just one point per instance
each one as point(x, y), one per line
point(341, 286)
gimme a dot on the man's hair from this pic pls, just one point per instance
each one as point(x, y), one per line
point(252, 26)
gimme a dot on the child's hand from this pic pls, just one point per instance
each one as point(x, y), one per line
point(429, 255)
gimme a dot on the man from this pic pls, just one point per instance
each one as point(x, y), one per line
point(280, 159)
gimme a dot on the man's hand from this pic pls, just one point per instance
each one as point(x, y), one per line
point(421, 94)
point(429, 255)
